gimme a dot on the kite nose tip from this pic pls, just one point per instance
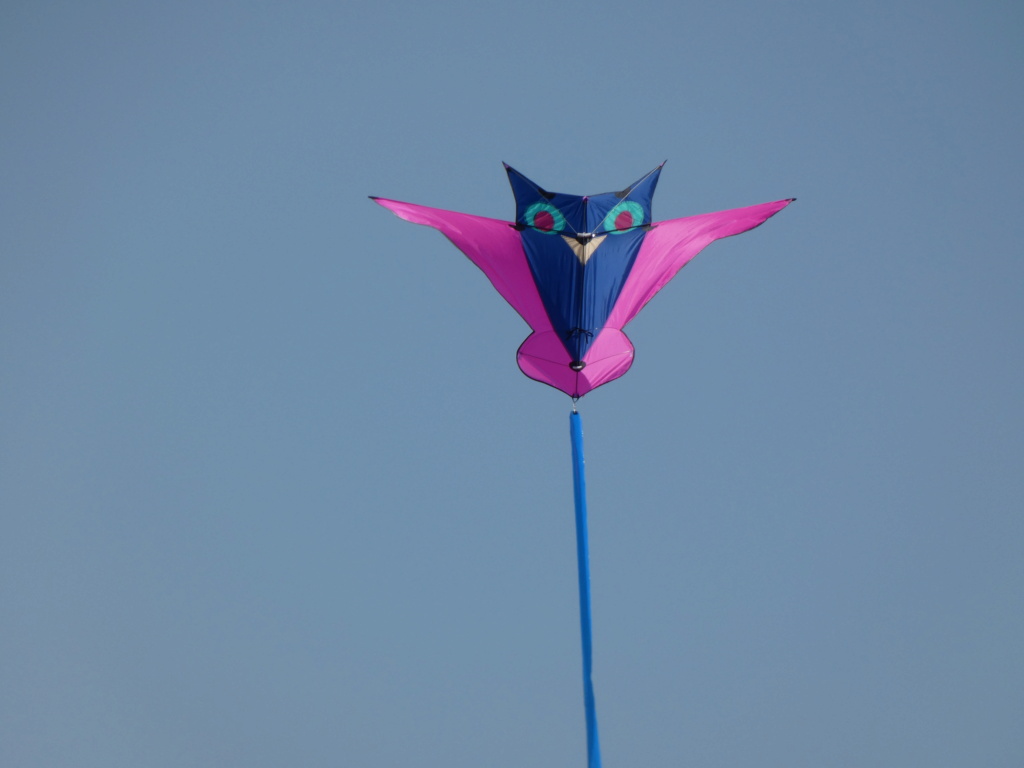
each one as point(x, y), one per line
point(577, 365)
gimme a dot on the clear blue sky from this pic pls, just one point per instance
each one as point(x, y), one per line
point(273, 491)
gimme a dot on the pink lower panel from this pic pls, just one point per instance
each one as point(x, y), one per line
point(543, 357)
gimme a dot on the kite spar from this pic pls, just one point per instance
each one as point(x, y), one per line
point(577, 270)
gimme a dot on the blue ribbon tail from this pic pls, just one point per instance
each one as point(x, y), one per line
point(579, 483)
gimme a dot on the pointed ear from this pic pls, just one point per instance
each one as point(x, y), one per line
point(525, 191)
point(605, 209)
point(643, 186)
point(529, 193)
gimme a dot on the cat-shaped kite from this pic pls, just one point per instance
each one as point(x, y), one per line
point(577, 269)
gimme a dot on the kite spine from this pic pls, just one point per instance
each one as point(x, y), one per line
point(579, 483)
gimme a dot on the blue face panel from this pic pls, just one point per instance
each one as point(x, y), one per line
point(580, 250)
point(579, 297)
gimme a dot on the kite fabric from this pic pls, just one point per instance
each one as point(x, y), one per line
point(579, 486)
point(578, 269)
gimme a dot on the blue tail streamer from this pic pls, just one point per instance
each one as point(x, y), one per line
point(579, 483)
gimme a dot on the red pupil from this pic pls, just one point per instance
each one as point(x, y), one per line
point(624, 220)
point(544, 220)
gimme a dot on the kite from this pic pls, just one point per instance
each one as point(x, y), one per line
point(577, 269)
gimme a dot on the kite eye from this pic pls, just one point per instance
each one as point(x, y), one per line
point(544, 217)
point(624, 216)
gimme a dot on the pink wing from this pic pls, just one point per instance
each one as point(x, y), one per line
point(491, 244)
point(670, 245)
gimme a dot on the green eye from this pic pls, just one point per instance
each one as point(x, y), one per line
point(624, 216)
point(544, 217)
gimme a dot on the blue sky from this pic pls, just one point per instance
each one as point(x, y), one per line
point(273, 491)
